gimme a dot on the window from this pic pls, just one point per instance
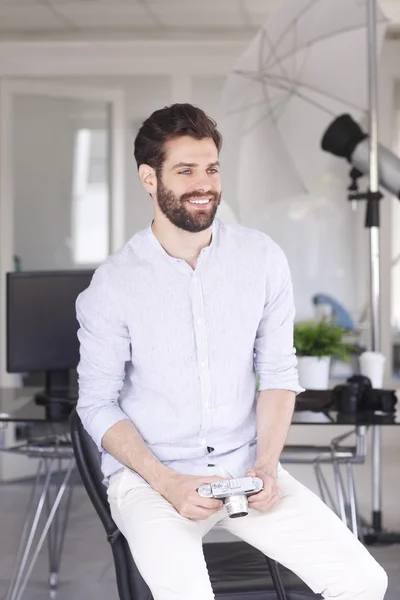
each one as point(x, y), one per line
point(90, 214)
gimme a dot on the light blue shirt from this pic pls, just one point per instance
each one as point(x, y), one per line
point(177, 350)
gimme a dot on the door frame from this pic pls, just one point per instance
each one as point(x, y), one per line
point(9, 89)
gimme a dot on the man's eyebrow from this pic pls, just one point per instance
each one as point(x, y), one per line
point(183, 164)
point(193, 165)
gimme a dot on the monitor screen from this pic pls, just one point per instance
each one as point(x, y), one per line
point(41, 320)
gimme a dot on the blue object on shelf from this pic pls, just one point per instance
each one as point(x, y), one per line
point(339, 314)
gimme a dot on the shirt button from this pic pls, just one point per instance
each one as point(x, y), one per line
point(199, 321)
point(194, 279)
point(203, 363)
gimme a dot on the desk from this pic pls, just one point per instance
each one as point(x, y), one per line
point(332, 417)
point(50, 443)
point(336, 454)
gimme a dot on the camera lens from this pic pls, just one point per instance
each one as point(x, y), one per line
point(237, 506)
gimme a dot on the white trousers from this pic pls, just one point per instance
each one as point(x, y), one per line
point(301, 533)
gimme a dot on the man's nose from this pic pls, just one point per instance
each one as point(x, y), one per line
point(203, 185)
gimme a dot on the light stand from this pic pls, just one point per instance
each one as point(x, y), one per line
point(345, 138)
point(377, 533)
point(372, 222)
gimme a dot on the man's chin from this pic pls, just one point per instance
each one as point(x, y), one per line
point(197, 225)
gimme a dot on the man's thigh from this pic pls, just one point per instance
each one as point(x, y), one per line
point(303, 534)
point(166, 547)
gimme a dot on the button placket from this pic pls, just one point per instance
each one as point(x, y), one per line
point(202, 354)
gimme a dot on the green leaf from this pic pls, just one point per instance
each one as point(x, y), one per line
point(321, 338)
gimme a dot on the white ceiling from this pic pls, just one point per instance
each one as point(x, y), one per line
point(141, 18)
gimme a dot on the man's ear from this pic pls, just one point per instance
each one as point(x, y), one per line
point(148, 178)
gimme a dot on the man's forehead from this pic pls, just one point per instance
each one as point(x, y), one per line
point(190, 150)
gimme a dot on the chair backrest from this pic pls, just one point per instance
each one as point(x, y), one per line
point(87, 459)
point(130, 583)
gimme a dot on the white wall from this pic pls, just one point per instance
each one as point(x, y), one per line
point(143, 95)
point(44, 144)
point(43, 136)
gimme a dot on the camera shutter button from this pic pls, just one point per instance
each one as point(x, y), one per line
point(234, 483)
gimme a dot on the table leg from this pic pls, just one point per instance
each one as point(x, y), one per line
point(27, 553)
point(56, 534)
point(324, 487)
point(352, 500)
point(29, 523)
point(340, 493)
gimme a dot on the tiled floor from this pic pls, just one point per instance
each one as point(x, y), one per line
point(87, 570)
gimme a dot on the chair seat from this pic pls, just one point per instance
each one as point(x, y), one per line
point(239, 572)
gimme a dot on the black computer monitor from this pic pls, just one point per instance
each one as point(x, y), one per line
point(42, 326)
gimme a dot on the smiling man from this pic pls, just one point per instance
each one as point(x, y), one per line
point(174, 203)
point(174, 329)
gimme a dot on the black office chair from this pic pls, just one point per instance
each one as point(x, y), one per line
point(237, 571)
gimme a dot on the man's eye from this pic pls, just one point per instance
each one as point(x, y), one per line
point(184, 172)
point(213, 170)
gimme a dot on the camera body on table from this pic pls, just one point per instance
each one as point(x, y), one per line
point(358, 395)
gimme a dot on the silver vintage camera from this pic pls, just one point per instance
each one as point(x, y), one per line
point(234, 493)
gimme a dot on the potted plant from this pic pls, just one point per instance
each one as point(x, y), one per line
point(316, 343)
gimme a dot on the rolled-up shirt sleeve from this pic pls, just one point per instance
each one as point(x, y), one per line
point(275, 360)
point(104, 351)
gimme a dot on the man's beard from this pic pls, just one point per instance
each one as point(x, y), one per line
point(177, 209)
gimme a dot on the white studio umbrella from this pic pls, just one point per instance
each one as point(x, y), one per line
point(307, 65)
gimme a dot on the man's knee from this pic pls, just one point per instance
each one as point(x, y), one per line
point(376, 581)
point(362, 578)
point(371, 584)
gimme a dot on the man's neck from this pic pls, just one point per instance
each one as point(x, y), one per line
point(179, 243)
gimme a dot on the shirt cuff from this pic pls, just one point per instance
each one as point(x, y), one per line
point(99, 423)
point(292, 386)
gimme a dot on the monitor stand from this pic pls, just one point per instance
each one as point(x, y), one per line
point(56, 397)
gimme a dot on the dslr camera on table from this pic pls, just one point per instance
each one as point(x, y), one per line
point(358, 395)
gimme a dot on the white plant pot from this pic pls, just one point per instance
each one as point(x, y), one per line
point(314, 372)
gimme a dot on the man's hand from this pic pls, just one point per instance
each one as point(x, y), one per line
point(269, 496)
point(181, 492)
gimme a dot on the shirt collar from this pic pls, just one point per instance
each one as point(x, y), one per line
point(206, 250)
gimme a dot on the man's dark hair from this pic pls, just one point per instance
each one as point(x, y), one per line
point(170, 122)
